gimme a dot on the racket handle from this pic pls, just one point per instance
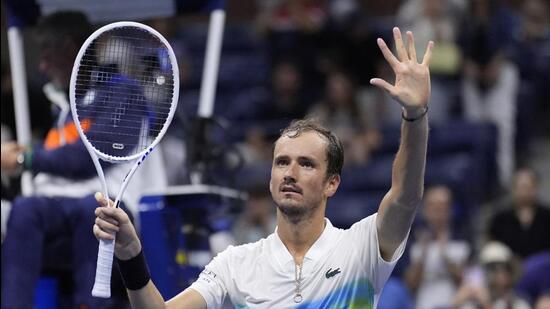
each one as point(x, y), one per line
point(102, 284)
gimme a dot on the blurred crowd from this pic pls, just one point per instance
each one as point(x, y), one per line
point(482, 238)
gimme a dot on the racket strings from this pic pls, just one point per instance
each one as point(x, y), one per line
point(125, 86)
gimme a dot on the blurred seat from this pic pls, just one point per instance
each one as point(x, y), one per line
point(346, 208)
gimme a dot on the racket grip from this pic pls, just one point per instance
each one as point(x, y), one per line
point(102, 284)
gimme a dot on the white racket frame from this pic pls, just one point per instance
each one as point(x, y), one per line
point(102, 284)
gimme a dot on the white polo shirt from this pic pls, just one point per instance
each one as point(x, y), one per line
point(343, 269)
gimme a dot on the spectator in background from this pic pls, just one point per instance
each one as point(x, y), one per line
point(491, 288)
point(440, 19)
point(294, 28)
point(523, 226)
point(288, 97)
point(286, 102)
point(437, 260)
point(173, 144)
point(535, 280)
point(258, 218)
point(341, 113)
point(530, 51)
point(47, 231)
point(490, 82)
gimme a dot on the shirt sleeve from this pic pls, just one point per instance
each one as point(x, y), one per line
point(365, 235)
point(211, 281)
point(71, 161)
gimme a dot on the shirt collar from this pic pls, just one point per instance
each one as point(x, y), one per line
point(314, 253)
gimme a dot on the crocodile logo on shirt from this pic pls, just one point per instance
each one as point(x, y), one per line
point(331, 273)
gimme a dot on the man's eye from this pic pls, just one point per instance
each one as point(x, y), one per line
point(307, 164)
point(280, 162)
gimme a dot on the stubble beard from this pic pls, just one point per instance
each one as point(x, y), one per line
point(297, 213)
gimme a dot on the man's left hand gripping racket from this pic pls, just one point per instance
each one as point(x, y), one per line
point(123, 92)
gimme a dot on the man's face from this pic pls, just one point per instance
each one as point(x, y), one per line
point(437, 208)
point(525, 188)
point(298, 175)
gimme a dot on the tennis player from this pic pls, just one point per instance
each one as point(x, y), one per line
point(306, 262)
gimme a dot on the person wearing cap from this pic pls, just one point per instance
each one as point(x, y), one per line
point(495, 288)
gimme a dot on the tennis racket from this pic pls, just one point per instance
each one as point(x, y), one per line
point(123, 93)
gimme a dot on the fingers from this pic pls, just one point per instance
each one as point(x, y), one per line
point(107, 222)
point(399, 46)
point(114, 215)
point(428, 54)
point(380, 83)
point(103, 202)
point(388, 55)
point(106, 217)
point(107, 225)
point(99, 233)
point(410, 47)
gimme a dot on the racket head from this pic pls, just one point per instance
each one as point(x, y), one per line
point(124, 90)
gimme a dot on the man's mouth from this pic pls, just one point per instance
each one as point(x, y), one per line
point(291, 189)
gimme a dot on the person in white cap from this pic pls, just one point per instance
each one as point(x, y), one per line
point(496, 289)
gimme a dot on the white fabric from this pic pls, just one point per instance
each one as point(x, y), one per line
point(6, 209)
point(437, 288)
point(149, 176)
point(498, 106)
point(262, 274)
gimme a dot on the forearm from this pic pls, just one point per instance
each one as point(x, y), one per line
point(147, 297)
point(399, 206)
point(136, 277)
point(413, 276)
point(410, 162)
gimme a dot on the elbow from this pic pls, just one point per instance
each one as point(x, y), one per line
point(411, 200)
point(408, 196)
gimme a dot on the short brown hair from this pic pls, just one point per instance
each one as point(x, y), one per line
point(335, 150)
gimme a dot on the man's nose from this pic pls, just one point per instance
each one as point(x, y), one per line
point(290, 173)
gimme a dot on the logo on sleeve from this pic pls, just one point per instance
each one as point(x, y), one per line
point(331, 273)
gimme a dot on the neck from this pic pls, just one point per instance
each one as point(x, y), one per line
point(299, 235)
point(525, 215)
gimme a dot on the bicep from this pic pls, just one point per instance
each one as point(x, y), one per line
point(188, 299)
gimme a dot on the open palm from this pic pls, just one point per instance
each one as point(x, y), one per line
point(412, 79)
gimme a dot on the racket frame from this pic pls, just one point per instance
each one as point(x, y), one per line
point(102, 285)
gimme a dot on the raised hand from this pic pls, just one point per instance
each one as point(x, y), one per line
point(111, 220)
point(412, 79)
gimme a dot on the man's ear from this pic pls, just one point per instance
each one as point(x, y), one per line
point(332, 185)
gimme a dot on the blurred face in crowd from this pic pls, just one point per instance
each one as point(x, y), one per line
point(339, 89)
point(434, 8)
point(299, 184)
point(500, 276)
point(286, 78)
point(535, 18)
point(524, 188)
point(437, 208)
point(56, 61)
